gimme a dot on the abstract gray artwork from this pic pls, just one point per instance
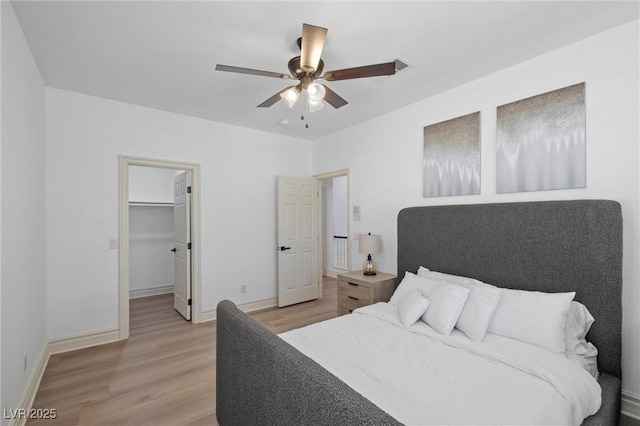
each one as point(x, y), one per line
point(541, 142)
point(451, 162)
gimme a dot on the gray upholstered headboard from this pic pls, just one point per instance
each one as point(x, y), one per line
point(550, 246)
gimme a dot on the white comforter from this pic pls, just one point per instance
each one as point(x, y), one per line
point(421, 377)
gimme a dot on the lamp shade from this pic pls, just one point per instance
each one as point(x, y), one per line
point(316, 91)
point(290, 96)
point(369, 244)
point(315, 105)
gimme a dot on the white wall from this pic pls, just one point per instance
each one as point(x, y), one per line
point(151, 184)
point(239, 166)
point(390, 177)
point(23, 221)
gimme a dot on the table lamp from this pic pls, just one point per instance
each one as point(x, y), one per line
point(369, 244)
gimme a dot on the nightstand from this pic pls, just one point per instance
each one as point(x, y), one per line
point(356, 289)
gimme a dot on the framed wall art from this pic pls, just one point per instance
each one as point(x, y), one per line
point(451, 159)
point(541, 142)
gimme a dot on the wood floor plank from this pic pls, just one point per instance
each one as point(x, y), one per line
point(164, 374)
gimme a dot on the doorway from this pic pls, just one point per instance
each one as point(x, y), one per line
point(124, 233)
point(336, 223)
point(151, 231)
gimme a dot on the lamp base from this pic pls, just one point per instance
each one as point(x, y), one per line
point(369, 267)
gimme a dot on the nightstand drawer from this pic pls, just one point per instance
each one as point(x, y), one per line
point(350, 303)
point(359, 291)
point(344, 311)
point(356, 290)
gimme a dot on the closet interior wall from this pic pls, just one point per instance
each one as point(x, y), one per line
point(151, 234)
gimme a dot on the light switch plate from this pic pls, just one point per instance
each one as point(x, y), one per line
point(356, 213)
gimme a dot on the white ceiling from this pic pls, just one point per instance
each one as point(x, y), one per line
point(162, 54)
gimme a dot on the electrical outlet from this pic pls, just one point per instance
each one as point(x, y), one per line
point(25, 361)
point(243, 288)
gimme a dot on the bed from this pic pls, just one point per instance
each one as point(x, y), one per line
point(551, 246)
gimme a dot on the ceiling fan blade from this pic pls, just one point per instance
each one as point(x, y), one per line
point(388, 68)
point(311, 46)
point(275, 98)
point(229, 68)
point(333, 99)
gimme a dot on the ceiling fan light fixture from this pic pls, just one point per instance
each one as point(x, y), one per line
point(316, 91)
point(314, 105)
point(290, 96)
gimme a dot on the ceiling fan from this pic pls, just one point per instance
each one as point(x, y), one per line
point(307, 68)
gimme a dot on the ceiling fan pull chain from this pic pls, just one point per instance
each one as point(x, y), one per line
point(306, 125)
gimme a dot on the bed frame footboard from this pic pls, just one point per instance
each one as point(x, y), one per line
point(262, 380)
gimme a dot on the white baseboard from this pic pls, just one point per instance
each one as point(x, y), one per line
point(134, 294)
point(83, 340)
point(244, 307)
point(31, 387)
point(333, 273)
point(54, 346)
point(256, 306)
point(330, 273)
point(630, 404)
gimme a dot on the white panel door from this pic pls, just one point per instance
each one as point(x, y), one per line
point(298, 278)
point(182, 231)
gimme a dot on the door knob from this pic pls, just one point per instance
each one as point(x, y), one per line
point(283, 248)
point(173, 249)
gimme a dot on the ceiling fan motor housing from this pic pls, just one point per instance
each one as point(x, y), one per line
point(301, 74)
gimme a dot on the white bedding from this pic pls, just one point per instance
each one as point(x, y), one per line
point(419, 376)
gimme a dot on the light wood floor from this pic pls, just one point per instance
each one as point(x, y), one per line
point(164, 374)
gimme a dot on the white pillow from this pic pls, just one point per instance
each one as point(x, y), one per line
point(447, 301)
point(579, 321)
point(452, 279)
point(408, 283)
point(411, 307)
point(587, 360)
point(480, 306)
point(533, 317)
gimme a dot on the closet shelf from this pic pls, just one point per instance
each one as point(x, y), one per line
point(149, 204)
